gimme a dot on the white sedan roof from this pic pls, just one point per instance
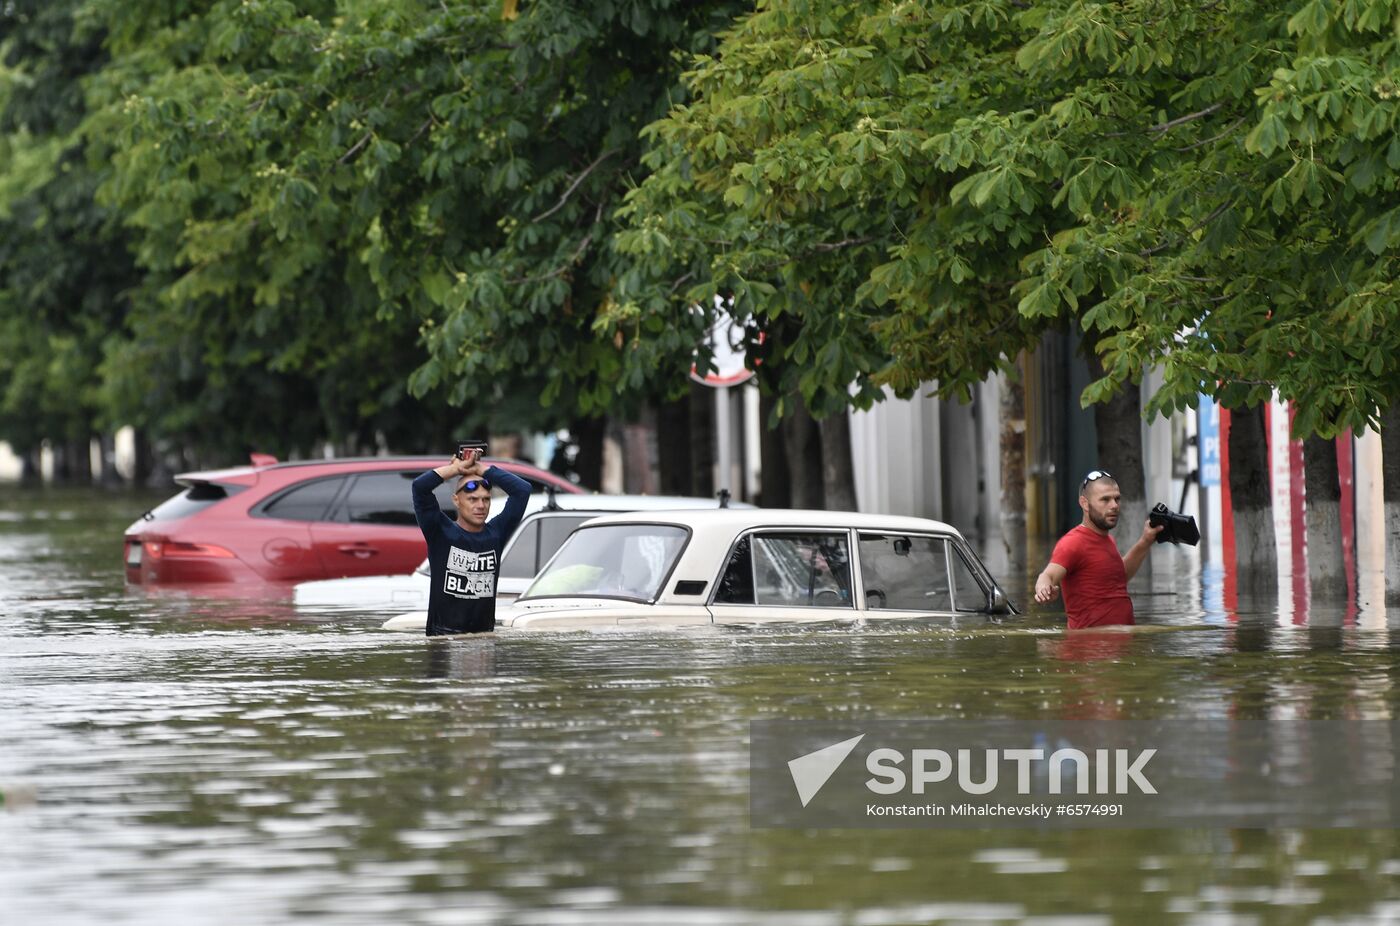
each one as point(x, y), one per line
point(731, 521)
point(714, 531)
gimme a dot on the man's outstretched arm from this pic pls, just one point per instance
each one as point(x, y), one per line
point(1047, 585)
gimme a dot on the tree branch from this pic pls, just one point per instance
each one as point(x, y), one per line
point(1215, 138)
point(1148, 252)
point(568, 264)
point(825, 246)
point(364, 140)
point(1173, 123)
point(574, 186)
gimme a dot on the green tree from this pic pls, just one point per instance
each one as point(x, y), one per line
point(63, 264)
point(334, 196)
point(1205, 188)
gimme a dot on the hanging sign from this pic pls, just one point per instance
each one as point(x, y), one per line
point(725, 340)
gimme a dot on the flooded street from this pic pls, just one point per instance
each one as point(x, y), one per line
point(177, 760)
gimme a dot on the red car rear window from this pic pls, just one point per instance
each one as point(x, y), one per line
point(196, 498)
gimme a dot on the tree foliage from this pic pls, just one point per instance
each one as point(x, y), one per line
point(357, 217)
point(1210, 188)
point(378, 189)
point(265, 222)
point(63, 271)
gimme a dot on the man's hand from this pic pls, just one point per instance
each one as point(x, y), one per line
point(1149, 533)
point(1045, 590)
point(1047, 586)
point(469, 465)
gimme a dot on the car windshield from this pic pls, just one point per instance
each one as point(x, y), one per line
point(611, 561)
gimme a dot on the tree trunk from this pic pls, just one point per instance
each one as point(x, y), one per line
point(77, 461)
point(673, 451)
point(588, 434)
point(1390, 478)
point(702, 440)
point(1326, 568)
point(803, 446)
point(1256, 554)
point(1119, 425)
point(143, 463)
point(1013, 467)
point(774, 488)
point(838, 472)
point(30, 470)
point(108, 476)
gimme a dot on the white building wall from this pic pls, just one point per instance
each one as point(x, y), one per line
point(894, 450)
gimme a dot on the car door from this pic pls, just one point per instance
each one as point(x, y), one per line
point(371, 529)
point(782, 575)
point(288, 553)
point(912, 576)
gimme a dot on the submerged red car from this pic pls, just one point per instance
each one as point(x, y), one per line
point(292, 522)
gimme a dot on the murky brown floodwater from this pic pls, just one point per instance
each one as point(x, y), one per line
point(230, 762)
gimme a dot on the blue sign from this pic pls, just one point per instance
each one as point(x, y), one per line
point(1208, 441)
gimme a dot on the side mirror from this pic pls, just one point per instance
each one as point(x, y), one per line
point(997, 603)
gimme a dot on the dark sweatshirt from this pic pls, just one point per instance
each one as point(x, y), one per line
point(464, 565)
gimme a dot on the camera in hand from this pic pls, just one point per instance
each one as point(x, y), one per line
point(1177, 528)
point(464, 445)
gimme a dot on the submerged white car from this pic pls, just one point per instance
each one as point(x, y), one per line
point(546, 523)
point(751, 567)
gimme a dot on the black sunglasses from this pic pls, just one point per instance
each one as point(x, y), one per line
point(471, 485)
point(1093, 475)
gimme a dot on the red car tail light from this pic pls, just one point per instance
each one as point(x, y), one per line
point(191, 550)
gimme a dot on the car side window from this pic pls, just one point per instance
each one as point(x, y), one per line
point(907, 573)
point(380, 498)
point(519, 561)
point(800, 570)
point(309, 501)
point(553, 532)
point(968, 593)
point(736, 585)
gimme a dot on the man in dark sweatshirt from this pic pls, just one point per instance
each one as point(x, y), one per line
point(464, 555)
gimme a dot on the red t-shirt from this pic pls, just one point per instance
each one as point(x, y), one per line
point(1095, 587)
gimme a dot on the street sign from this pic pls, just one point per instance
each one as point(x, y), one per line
point(1208, 442)
point(725, 340)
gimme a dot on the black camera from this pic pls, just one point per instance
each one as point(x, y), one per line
point(464, 445)
point(1177, 528)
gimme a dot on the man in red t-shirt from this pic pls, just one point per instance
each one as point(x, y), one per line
point(1086, 563)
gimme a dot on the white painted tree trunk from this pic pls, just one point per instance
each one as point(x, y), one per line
point(1256, 558)
point(1327, 579)
point(1326, 567)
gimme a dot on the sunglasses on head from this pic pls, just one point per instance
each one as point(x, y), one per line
point(471, 485)
point(1093, 475)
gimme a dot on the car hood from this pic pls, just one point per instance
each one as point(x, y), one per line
point(584, 613)
point(560, 614)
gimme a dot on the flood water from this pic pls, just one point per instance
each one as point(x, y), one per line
point(176, 760)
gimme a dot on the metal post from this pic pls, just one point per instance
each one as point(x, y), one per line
point(725, 438)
